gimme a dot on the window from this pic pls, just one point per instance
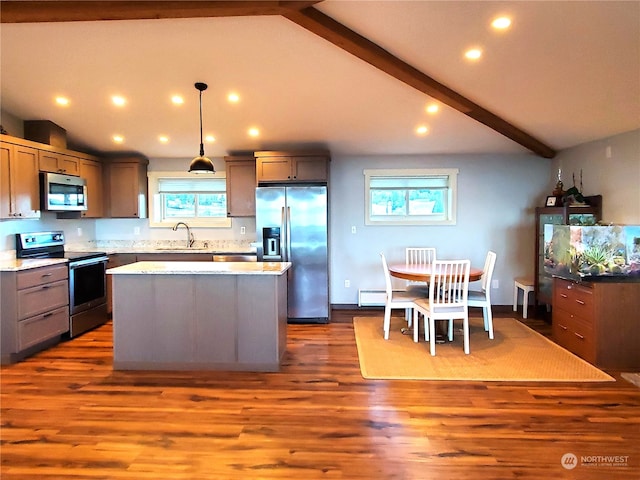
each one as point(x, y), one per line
point(411, 196)
point(181, 196)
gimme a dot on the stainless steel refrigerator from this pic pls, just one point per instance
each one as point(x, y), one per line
point(291, 224)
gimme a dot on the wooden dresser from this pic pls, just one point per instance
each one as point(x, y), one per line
point(598, 321)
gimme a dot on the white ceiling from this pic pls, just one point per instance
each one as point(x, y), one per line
point(566, 73)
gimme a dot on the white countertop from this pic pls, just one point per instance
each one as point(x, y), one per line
point(17, 264)
point(204, 268)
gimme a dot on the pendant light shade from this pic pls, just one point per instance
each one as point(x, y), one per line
point(201, 164)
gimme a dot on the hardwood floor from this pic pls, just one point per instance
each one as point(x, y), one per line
point(67, 414)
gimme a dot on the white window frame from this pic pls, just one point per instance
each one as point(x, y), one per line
point(155, 206)
point(452, 187)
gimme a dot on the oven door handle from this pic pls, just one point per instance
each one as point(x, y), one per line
point(88, 261)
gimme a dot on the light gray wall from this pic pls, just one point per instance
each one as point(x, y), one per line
point(611, 168)
point(497, 195)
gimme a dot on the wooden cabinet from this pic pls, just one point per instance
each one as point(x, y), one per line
point(92, 171)
point(35, 309)
point(19, 183)
point(126, 187)
point(241, 186)
point(116, 260)
point(598, 321)
point(58, 163)
point(546, 217)
point(275, 167)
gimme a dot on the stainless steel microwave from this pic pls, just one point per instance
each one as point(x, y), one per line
point(62, 193)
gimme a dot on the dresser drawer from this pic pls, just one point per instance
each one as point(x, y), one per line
point(575, 299)
point(43, 327)
point(40, 276)
point(43, 298)
point(574, 334)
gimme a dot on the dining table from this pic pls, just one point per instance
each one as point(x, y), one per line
point(422, 273)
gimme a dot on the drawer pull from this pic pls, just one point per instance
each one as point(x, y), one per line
point(563, 295)
point(581, 337)
point(45, 287)
point(579, 302)
point(48, 314)
point(46, 275)
point(562, 327)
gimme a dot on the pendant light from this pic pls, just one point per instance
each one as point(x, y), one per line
point(201, 164)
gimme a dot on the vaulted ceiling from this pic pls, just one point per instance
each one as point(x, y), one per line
point(352, 77)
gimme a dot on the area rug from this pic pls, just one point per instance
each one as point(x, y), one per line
point(516, 354)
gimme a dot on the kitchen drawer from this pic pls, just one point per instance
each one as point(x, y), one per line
point(575, 299)
point(42, 327)
point(39, 276)
point(35, 300)
point(574, 334)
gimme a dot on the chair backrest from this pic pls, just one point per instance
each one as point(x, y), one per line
point(449, 284)
point(387, 276)
point(487, 272)
point(420, 255)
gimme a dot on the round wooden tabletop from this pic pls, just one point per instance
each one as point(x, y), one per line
point(422, 273)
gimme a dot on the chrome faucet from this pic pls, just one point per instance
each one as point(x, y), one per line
point(190, 238)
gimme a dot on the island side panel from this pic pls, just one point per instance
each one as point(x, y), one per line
point(215, 313)
point(262, 320)
point(153, 318)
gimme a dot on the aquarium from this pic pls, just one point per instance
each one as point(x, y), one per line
point(592, 252)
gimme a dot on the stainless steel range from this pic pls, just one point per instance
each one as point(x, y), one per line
point(87, 277)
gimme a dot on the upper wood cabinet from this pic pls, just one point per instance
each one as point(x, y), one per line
point(126, 187)
point(241, 186)
point(58, 163)
point(91, 171)
point(275, 167)
point(19, 183)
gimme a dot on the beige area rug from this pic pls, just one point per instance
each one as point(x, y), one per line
point(517, 353)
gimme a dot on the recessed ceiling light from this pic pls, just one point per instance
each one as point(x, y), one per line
point(422, 130)
point(254, 132)
point(163, 139)
point(119, 101)
point(233, 97)
point(62, 101)
point(177, 100)
point(501, 23)
point(209, 139)
point(118, 138)
point(432, 108)
point(473, 54)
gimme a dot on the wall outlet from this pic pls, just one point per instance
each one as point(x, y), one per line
point(347, 283)
point(495, 284)
point(136, 230)
point(79, 231)
point(243, 230)
point(353, 229)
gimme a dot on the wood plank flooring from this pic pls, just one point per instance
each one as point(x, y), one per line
point(67, 415)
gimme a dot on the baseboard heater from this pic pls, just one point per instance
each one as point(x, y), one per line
point(371, 297)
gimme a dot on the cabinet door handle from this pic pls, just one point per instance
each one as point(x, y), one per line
point(580, 302)
point(563, 295)
point(581, 337)
point(562, 327)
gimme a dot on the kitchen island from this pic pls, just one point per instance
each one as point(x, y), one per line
point(199, 315)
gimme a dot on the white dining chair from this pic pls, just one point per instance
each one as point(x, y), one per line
point(483, 298)
point(448, 290)
point(399, 299)
point(419, 256)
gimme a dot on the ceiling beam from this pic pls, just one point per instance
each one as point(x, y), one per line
point(84, 11)
point(354, 43)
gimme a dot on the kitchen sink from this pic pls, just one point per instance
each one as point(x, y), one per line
point(183, 249)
